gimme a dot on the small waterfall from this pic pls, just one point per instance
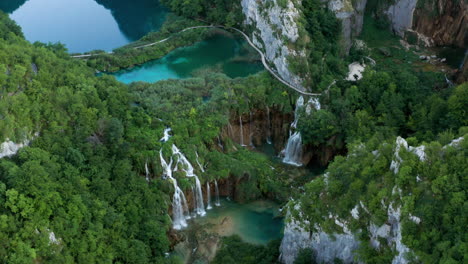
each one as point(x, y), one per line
point(230, 132)
point(198, 162)
point(179, 202)
point(147, 172)
point(293, 150)
point(241, 132)
point(200, 208)
point(166, 135)
point(208, 196)
point(217, 203)
point(189, 172)
point(268, 126)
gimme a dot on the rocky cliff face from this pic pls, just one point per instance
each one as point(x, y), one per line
point(400, 15)
point(444, 21)
point(276, 32)
point(351, 13)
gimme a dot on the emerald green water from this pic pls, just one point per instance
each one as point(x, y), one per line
point(256, 222)
point(218, 53)
point(85, 25)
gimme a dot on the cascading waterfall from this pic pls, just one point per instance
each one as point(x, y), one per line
point(189, 172)
point(299, 104)
point(147, 172)
point(293, 151)
point(166, 135)
point(179, 202)
point(241, 132)
point(217, 203)
point(208, 196)
point(268, 126)
point(198, 162)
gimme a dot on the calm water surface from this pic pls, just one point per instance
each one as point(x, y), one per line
point(219, 53)
point(85, 25)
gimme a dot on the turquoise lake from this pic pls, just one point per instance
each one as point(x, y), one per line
point(85, 25)
point(221, 53)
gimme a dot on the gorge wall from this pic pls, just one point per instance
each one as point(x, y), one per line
point(275, 30)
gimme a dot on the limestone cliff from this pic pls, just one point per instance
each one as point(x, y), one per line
point(277, 33)
point(444, 21)
point(351, 13)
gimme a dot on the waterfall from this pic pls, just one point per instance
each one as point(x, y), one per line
point(179, 202)
point(217, 203)
point(198, 162)
point(189, 172)
point(208, 196)
point(241, 132)
point(166, 135)
point(299, 104)
point(268, 126)
point(293, 150)
point(147, 172)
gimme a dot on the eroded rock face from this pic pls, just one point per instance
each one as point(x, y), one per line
point(351, 14)
point(444, 21)
point(400, 15)
point(276, 33)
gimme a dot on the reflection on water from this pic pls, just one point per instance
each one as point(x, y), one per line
point(217, 52)
point(84, 25)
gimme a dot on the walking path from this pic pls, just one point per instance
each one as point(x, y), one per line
point(264, 60)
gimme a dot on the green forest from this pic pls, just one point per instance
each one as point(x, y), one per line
point(78, 193)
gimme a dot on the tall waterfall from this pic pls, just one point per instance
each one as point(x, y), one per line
point(299, 104)
point(217, 203)
point(189, 172)
point(147, 172)
point(293, 150)
point(268, 126)
point(241, 131)
point(208, 196)
point(179, 202)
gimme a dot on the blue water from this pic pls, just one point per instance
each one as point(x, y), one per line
point(219, 53)
point(85, 25)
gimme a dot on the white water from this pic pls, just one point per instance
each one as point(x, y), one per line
point(299, 104)
point(293, 150)
point(166, 136)
point(147, 172)
point(179, 202)
point(208, 196)
point(241, 132)
point(268, 126)
point(187, 167)
point(198, 162)
point(217, 203)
